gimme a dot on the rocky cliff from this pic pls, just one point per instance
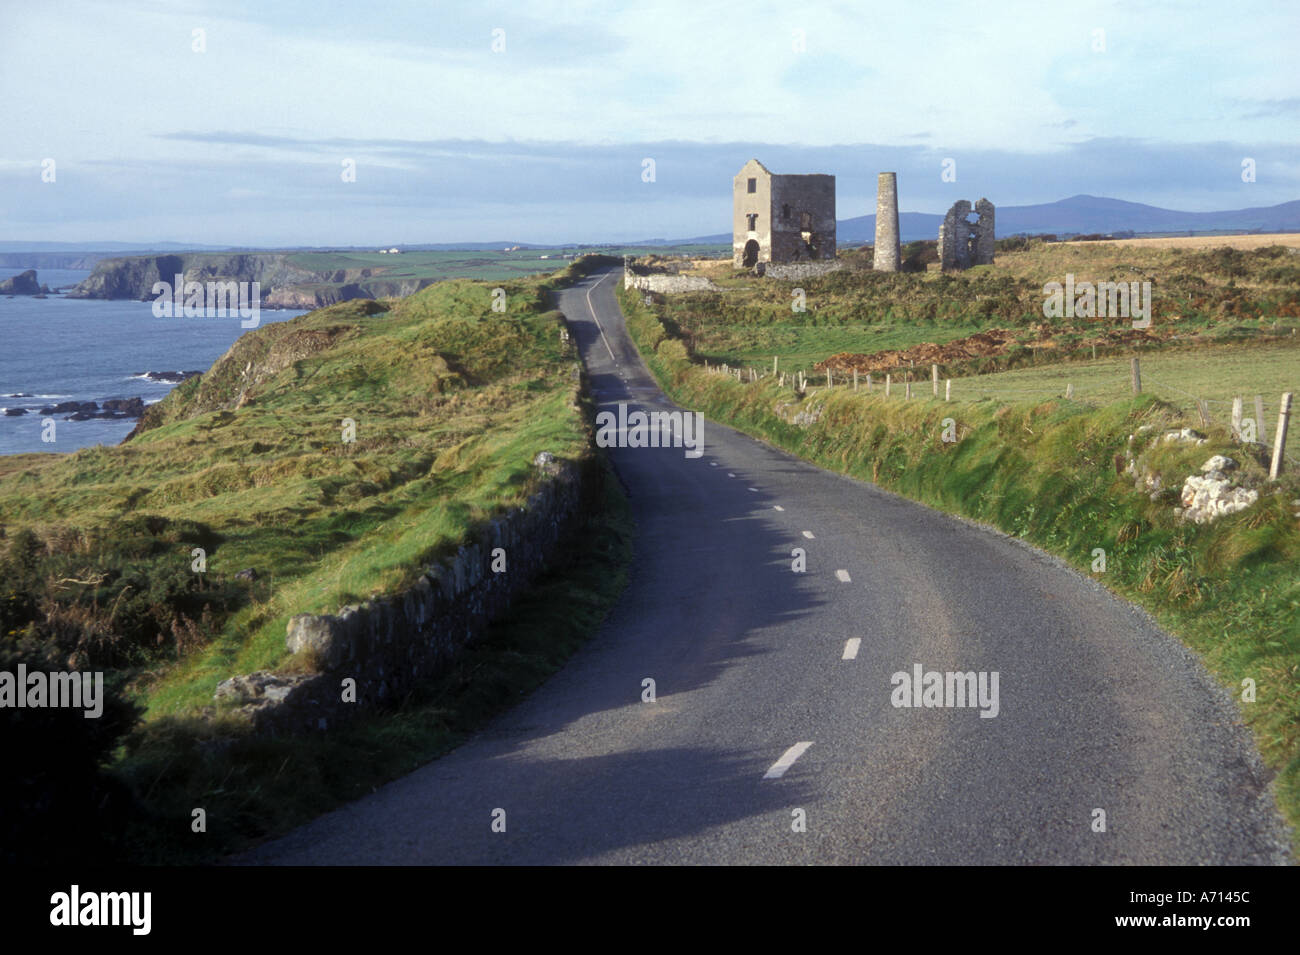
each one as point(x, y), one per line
point(283, 285)
point(24, 283)
point(133, 277)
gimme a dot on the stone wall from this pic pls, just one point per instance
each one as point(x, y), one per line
point(798, 271)
point(639, 278)
point(668, 283)
point(388, 644)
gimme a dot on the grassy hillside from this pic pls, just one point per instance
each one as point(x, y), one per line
point(1044, 470)
point(250, 462)
point(1199, 296)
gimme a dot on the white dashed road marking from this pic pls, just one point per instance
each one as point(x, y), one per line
point(809, 535)
point(786, 761)
point(851, 648)
point(843, 575)
point(777, 507)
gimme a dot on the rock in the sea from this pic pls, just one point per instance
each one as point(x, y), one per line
point(71, 407)
point(24, 283)
point(172, 377)
point(15, 412)
point(131, 407)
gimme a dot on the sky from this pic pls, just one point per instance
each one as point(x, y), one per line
point(234, 122)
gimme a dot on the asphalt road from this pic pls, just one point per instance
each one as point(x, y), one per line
point(1098, 709)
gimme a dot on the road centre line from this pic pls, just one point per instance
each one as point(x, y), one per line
point(787, 759)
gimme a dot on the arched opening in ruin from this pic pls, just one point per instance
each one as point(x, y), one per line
point(750, 257)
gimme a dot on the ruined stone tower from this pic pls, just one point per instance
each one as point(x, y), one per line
point(781, 218)
point(963, 243)
point(887, 249)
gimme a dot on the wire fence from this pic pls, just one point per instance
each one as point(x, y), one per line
point(1258, 419)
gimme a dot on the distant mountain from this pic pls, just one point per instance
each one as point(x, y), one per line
point(1078, 215)
point(1089, 214)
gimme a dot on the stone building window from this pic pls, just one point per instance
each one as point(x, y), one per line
point(785, 212)
point(753, 221)
point(753, 186)
point(805, 221)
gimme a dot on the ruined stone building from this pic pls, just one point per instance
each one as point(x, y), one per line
point(781, 218)
point(963, 243)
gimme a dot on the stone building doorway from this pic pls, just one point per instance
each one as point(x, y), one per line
point(750, 258)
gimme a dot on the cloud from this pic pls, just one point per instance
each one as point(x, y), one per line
point(1269, 108)
point(447, 190)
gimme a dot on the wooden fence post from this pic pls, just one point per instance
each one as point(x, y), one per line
point(1203, 410)
point(774, 358)
point(1260, 434)
point(828, 376)
point(934, 377)
point(868, 381)
point(1236, 418)
point(855, 379)
point(907, 393)
point(947, 390)
point(1279, 443)
point(1069, 390)
point(1135, 376)
point(888, 381)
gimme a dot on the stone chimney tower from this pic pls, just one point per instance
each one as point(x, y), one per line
point(887, 251)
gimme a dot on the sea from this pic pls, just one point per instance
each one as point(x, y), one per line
point(58, 349)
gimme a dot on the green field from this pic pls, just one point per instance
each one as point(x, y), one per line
point(1199, 297)
point(1178, 377)
point(484, 264)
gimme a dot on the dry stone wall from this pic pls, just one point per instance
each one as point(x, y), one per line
point(798, 271)
point(665, 282)
point(389, 643)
